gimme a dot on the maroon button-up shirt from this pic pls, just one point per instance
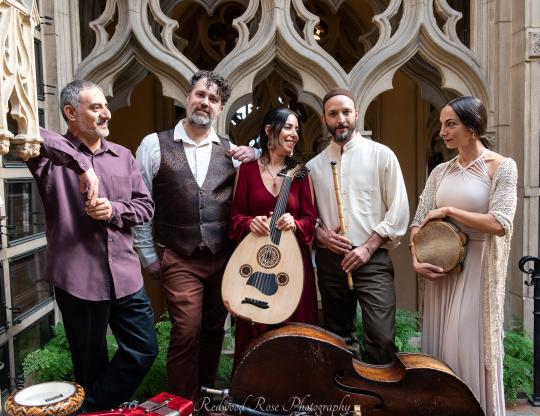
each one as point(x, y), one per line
point(90, 259)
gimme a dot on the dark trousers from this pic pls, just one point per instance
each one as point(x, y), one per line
point(192, 287)
point(373, 290)
point(108, 384)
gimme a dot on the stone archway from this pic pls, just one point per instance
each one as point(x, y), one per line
point(418, 39)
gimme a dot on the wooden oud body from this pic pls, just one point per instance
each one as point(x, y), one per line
point(263, 281)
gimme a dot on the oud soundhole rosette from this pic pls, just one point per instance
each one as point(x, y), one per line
point(282, 279)
point(246, 270)
point(268, 256)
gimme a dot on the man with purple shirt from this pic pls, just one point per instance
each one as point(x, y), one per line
point(90, 261)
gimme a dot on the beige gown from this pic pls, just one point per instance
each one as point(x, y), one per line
point(452, 310)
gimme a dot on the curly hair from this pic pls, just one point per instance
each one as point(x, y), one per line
point(224, 88)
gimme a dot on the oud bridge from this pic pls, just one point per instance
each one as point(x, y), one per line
point(266, 283)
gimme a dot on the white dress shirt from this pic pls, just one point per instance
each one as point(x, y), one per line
point(372, 190)
point(149, 158)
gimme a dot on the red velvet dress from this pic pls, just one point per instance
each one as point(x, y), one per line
point(252, 199)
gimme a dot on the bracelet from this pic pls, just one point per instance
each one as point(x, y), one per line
point(367, 248)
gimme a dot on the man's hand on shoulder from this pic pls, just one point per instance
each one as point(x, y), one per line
point(244, 154)
point(89, 184)
point(154, 270)
point(101, 211)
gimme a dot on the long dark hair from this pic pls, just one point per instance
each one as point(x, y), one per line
point(473, 115)
point(276, 119)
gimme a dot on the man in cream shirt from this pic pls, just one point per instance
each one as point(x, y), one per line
point(376, 214)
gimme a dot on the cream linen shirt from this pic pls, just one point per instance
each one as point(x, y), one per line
point(372, 190)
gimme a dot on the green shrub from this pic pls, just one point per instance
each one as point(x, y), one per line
point(518, 362)
point(407, 331)
point(226, 362)
point(53, 361)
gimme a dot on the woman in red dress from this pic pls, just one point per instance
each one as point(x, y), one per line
point(256, 191)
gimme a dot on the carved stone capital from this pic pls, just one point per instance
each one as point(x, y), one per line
point(5, 138)
point(18, 90)
point(26, 147)
point(534, 44)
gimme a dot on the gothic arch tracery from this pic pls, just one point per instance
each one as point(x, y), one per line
point(133, 39)
point(418, 33)
point(277, 38)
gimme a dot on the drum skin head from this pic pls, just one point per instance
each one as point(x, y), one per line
point(54, 398)
point(440, 243)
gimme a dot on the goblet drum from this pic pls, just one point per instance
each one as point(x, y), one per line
point(60, 398)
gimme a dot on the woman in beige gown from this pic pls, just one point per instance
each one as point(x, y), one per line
point(463, 311)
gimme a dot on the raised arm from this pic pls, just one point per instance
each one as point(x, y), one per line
point(61, 152)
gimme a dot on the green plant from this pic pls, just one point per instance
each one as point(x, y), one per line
point(226, 361)
point(53, 361)
point(518, 362)
point(407, 331)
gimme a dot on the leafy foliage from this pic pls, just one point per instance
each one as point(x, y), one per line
point(226, 363)
point(407, 331)
point(53, 362)
point(518, 362)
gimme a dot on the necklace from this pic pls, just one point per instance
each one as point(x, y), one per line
point(274, 177)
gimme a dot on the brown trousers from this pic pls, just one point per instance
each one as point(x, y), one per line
point(192, 287)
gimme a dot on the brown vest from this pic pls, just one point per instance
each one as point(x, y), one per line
point(188, 216)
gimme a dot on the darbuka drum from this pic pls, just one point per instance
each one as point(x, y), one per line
point(58, 398)
point(441, 243)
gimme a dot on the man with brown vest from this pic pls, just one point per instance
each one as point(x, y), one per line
point(190, 173)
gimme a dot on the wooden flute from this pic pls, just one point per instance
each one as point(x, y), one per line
point(342, 226)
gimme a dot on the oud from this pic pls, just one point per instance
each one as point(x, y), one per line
point(264, 278)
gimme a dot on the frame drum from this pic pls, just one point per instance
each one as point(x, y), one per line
point(441, 243)
point(58, 398)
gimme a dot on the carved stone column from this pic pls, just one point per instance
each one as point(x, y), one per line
point(18, 93)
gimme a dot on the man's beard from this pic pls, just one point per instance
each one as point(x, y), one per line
point(99, 132)
point(342, 137)
point(200, 120)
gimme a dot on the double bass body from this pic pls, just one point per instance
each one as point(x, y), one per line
point(303, 368)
